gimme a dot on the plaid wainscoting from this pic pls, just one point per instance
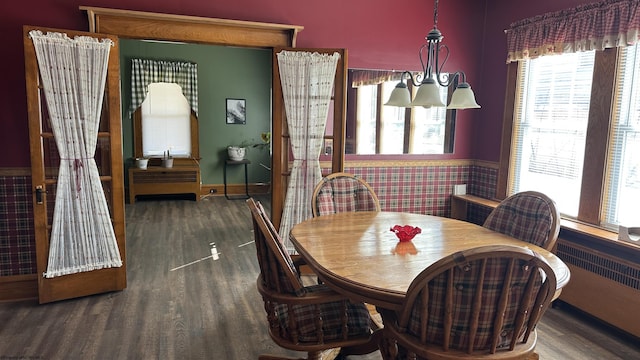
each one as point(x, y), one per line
point(17, 239)
point(425, 189)
point(483, 182)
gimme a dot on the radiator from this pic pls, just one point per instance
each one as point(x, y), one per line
point(603, 285)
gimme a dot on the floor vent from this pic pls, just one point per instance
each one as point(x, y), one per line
point(610, 267)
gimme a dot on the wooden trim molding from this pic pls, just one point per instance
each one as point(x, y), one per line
point(378, 163)
point(15, 171)
point(18, 287)
point(488, 164)
point(507, 130)
point(595, 152)
point(148, 25)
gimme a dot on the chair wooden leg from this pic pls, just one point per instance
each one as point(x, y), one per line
point(388, 348)
point(533, 356)
point(367, 348)
point(376, 318)
point(274, 357)
point(329, 354)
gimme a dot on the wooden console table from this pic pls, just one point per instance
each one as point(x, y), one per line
point(182, 178)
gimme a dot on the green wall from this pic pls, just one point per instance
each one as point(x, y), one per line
point(223, 72)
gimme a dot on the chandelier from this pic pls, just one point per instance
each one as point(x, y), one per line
point(432, 77)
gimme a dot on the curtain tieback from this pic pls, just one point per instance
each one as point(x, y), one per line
point(78, 166)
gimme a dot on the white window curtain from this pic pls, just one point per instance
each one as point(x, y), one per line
point(145, 72)
point(73, 73)
point(307, 84)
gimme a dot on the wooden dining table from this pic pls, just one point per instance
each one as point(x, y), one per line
point(358, 255)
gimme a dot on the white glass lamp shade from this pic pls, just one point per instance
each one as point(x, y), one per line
point(428, 94)
point(400, 96)
point(463, 98)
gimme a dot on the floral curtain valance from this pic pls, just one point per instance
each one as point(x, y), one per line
point(595, 26)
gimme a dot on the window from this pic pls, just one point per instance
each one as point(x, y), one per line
point(366, 119)
point(429, 132)
point(623, 160)
point(166, 121)
point(392, 120)
point(550, 126)
point(578, 143)
point(392, 130)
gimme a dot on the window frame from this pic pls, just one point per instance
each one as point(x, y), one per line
point(409, 119)
point(600, 115)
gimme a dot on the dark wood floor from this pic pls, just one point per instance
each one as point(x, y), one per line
point(182, 304)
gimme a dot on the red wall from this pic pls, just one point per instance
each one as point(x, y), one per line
point(491, 90)
point(379, 34)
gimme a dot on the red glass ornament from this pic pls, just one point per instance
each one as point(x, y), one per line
point(406, 232)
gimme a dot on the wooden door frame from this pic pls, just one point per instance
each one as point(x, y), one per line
point(156, 26)
point(281, 169)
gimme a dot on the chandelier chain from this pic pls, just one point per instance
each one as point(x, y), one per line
point(435, 14)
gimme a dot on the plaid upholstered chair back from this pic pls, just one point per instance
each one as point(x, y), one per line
point(343, 192)
point(276, 266)
point(483, 300)
point(528, 216)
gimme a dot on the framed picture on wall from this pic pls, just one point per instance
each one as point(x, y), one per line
point(236, 111)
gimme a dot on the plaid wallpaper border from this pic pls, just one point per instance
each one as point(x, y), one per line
point(17, 234)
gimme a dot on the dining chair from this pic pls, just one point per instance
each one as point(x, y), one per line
point(345, 192)
point(313, 319)
point(342, 192)
point(529, 216)
point(481, 303)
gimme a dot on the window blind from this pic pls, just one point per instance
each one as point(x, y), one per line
point(622, 182)
point(428, 127)
point(366, 119)
point(550, 124)
point(391, 124)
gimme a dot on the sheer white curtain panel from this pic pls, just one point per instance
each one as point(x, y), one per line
point(73, 73)
point(307, 82)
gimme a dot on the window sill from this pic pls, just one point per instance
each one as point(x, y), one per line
point(594, 232)
point(459, 211)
